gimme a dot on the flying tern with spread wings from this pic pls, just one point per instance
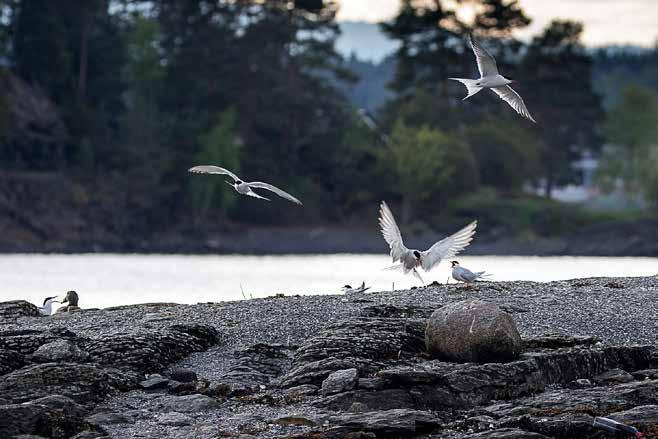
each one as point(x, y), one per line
point(411, 259)
point(491, 79)
point(243, 187)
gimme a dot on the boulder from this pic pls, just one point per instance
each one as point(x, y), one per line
point(59, 350)
point(174, 419)
point(472, 331)
point(183, 375)
point(154, 382)
point(340, 381)
point(188, 403)
point(54, 416)
point(110, 419)
point(613, 376)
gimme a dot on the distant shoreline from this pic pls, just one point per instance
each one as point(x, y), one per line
point(637, 238)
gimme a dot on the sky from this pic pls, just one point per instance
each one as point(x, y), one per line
point(606, 21)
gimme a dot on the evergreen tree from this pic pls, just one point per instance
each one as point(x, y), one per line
point(558, 90)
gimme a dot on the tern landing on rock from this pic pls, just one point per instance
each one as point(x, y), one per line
point(462, 274)
point(491, 79)
point(243, 187)
point(428, 259)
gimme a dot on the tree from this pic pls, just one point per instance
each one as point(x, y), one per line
point(423, 164)
point(631, 130)
point(219, 145)
point(507, 154)
point(557, 73)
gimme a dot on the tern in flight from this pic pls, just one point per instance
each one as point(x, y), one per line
point(243, 187)
point(491, 79)
point(410, 259)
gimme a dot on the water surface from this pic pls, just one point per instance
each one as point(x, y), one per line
point(107, 279)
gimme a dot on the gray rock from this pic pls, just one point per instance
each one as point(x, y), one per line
point(154, 382)
point(59, 350)
point(340, 381)
point(53, 416)
point(182, 375)
point(305, 389)
point(583, 382)
point(188, 403)
point(10, 360)
point(366, 344)
point(646, 374)
point(613, 376)
point(91, 435)
point(14, 309)
point(387, 422)
point(153, 350)
point(174, 419)
point(83, 383)
point(644, 418)
point(507, 433)
point(110, 419)
point(472, 331)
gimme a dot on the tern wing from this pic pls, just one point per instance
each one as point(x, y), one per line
point(276, 190)
point(209, 169)
point(514, 100)
point(255, 195)
point(391, 232)
point(486, 62)
point(448, 247)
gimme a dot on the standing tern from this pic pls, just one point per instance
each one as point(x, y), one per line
point(428, 259)
point(491, 79)
point(243, 187)
point(47, 308)
point(462, 274)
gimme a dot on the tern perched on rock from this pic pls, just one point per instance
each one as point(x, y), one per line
point(462, 274)
point(243, 187)
point(47, 308)
point(410, 259)
point(491, 79)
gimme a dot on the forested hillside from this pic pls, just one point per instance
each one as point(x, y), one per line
point(105, 104)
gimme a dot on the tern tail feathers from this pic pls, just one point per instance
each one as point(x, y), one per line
point(470, 85)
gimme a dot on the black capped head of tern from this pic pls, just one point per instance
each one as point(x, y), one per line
point(453, 263)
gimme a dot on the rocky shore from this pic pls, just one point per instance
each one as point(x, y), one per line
point(352, 366)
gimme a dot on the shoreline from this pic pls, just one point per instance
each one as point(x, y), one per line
point(639, 238)
point(257, 367)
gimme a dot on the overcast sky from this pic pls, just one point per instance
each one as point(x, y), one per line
point(606, 21)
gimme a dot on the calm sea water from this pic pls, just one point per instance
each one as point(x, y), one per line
point(109, 280)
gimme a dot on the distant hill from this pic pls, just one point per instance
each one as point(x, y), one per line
point(365, 40)
point(371, 90)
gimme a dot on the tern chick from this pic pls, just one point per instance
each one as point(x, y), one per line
point(410, 259)
point(491, 79)
point(462, 274)
point(243, 187)
point(71, 299)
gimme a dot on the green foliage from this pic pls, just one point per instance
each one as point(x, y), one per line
point(632, 132)
point(218, 146)
point(423, 163)
point(507, 154)
point(526, 215)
